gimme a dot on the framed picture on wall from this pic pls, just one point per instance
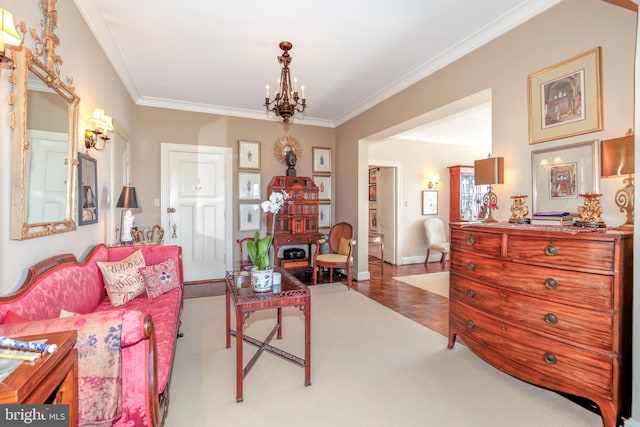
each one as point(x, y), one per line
point(324, 185)
point(566, 98)
point(321, 160)
point(249, 216)
point(248, 185)
point(430, 202)
point(248, 154)
point(324, 215)
point(87, 190)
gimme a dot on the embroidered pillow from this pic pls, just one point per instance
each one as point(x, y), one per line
point(160, 278)
point(343, 246)
point(122, 280)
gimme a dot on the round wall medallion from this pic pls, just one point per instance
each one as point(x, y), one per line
point(283, 145)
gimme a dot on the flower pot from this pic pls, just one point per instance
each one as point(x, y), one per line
point(262, 280)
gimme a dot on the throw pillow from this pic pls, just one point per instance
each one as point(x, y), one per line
point(160, 278)
point(122, 280)
point(11, 317)
point(343, 246)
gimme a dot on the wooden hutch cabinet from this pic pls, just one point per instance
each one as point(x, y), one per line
point(464, 194)
point(297, 221)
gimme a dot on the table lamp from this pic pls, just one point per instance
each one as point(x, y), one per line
point(127, 200)
point(489, 171)
point(617, 158)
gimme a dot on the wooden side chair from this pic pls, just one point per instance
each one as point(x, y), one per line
point(245, 261)
point(436, 238)
point(340, 244)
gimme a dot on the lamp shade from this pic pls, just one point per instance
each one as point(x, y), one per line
point(617, 156)
point(8, 31)
point(128, 198)
point(489, 171)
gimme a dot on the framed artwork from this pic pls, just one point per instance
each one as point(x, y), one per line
point(372, 193)
point(373, 219)
point(566, 98)
point(249, 216)
point(248, 185)
point(321, 160)
point(248, 154)
point(430, 202)
point(324, 215)
point(87, 190)
point(373, 175)
point(561, 174)
point(324, 185)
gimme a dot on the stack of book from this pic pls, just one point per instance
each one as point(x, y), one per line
point(553, 218)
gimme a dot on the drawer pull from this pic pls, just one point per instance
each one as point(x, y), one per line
point(550, 283)
point(551, 249)
point(470, 240)
point(550, 358)
point(471, 266)
point(470, 324)
point(550, 318)
point(470, 293)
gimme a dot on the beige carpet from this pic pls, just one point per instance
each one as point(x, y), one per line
point(370, 367)
point(438, 283)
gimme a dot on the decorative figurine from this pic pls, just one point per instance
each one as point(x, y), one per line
point(519, 210)
point(291, 160)
point(590, 213)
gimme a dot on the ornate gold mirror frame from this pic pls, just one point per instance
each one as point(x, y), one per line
point(38, 96)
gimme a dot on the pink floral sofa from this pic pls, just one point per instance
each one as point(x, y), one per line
point(125, 352)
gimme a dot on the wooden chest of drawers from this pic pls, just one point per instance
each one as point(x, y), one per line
point(549, 305)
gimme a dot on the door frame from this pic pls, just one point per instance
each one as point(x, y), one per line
point(399, 237)
point(168, 147)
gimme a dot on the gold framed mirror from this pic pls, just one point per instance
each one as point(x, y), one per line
point(45, 141)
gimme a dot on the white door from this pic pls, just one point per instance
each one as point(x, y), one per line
point(386, 203)
point(194, 205)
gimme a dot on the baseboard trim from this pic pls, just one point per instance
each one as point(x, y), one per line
point(631, 423)
point(363, 275)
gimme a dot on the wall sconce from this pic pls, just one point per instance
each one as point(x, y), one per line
point(617, 157)
point(103, 124)
point(432, 183)
point(489, 171)
point(8, 36)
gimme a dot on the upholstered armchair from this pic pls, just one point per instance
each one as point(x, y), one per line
point(436, 238)
point(340, 245)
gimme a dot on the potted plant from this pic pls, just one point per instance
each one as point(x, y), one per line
point(262, 273)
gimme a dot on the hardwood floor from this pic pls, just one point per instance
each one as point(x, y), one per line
point(426, 308)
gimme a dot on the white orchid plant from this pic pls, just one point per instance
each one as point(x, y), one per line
point(259, 248)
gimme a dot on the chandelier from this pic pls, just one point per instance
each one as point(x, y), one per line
point(286, 101)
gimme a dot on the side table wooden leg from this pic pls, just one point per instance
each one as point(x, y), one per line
point(307, 343)
point(227, 332)
point(279, 323)
point(239, 361)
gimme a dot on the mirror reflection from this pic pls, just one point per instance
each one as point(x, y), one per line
point(45, 147)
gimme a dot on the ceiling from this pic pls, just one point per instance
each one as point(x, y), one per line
point(218, 56)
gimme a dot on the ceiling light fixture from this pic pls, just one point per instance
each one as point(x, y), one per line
point(286, 101)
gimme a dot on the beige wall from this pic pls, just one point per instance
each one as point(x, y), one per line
point(154, 126)
point(96, 84)
point(418, 160)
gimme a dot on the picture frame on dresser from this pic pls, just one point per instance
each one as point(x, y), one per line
point(321, 160)
point(574, 166)
point(249, 216)
point(87, 190)
point(248, 154)
point(565, 99)
point(324, 186)
point(248, 185)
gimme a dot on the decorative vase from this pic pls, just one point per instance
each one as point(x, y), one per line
point(262, 280)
